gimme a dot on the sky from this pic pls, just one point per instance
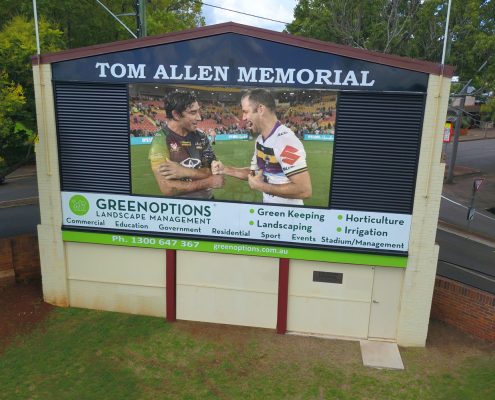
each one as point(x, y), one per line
point(281, 10)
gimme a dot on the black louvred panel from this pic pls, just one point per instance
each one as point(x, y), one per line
point(93, 134)
point(376, 151)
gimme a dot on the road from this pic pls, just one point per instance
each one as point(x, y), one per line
point(19, 220)
point(462, 259)
point(478, 154)
point(23, 219)
point(455, 213)
point(19, 188)
point(466, 261)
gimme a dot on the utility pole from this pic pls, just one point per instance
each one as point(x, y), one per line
point(457, 131)
point(116, 17)
point(140, 6)
point(446, 35)
point(36, 29)
point(462, 94)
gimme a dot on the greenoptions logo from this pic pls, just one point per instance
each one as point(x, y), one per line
point(79, 204)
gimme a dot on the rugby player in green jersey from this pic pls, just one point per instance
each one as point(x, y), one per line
point(180, 154)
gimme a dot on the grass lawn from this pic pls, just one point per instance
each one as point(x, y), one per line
point(84, 354)
point(238, 154)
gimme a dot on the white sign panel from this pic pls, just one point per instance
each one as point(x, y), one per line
point(256, 222)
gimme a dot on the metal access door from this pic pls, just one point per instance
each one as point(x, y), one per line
point(385, 303)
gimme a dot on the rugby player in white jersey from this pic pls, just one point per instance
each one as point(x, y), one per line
point(278, 168)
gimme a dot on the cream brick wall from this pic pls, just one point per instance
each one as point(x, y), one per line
point(423, 253)
point(52, 257)
point(336, 309)
point(122, 279)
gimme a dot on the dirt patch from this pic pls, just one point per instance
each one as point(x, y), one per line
point(447, 338)
point(446, 347)
point(21, 309)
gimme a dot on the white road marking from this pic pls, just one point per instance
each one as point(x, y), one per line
point(463, 206)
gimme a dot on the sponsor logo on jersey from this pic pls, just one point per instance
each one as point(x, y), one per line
point(289, 155)
point(174, 146)
point(266, 157)
point(190, 162)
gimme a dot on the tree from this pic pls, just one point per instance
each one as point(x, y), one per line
point(64, 24)
point(426, 41)
point(381, 25)
point(411, 28)
point(17, 108)
point(85, 22)
point(169, 16)
point(9, 9)
point(473, 42)
point(488, 110)
point(17, 45)
point(12, 140)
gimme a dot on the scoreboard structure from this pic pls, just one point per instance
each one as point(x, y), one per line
point(357, 260)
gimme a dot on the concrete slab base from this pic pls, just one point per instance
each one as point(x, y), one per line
point(380, 355)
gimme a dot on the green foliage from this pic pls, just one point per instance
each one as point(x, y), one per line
point(66, 24)
point(473, 42)
point(83, 22)
point(164, 16)
point(17, 46)
point(488, 110)
point(12, 140)
point(407, 28)
point(86, 22)
point(426, 32)
point(17, 107)
point(380, 25)
point(465, 123)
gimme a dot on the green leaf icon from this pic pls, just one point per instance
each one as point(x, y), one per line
point(79, 204)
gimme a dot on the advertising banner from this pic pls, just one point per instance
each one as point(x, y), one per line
point(319, 138)
point(234, 248)
point(141, 140)
point(307, 227)
point(234, 136)
point(219, 138)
